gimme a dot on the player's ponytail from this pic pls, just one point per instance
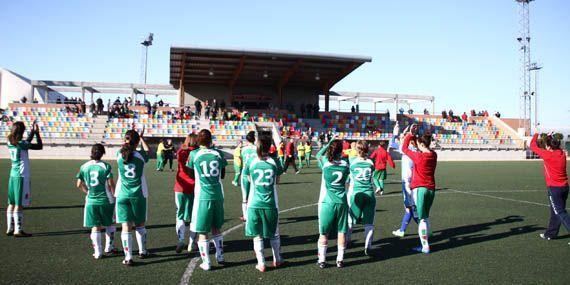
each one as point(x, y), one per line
point(132, 140)
point(425, 139)
point(553, 141)
point(97, 151)
point(362, 148)
point(334, 152)
point(16, 133)
point(264, 141)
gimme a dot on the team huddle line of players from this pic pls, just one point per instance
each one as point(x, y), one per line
point(347, 193)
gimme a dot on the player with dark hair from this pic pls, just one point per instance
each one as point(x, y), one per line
point(263, 207)
point(423, 182)
point(208, 167)
point(184, 193)
point(556, 182)
point(132, 193)
point(19, 186)
point(95, 179)
point(248, 152)
point(381, 157)
point(333, 205)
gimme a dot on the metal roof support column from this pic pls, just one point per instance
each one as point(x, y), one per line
point(46, 97)
point(83, 94)
point(327, 98)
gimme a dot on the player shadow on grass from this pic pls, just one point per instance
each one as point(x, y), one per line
point(54, 207)
point(393, 247)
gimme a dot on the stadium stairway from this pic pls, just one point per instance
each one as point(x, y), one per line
point(98, 128)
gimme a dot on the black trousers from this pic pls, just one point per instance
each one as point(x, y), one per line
point(557, 197)
point(290, 160)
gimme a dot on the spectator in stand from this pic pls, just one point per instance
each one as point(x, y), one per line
point(464, 117)
point(160, 103)
point(410, 111)
point(24, 100)
point(58, 100)
point(485, 113)
point(473, 114)
point(290, 156)
point(497, 114)
point(426, 112)
point(93, 108)
point(357, 108)
point(206, 110)
point(148, 107)
point(450, 113)
point(198, 107)
point(352, 109)
point(100, 106)
point(83, 106)
point(444, 114)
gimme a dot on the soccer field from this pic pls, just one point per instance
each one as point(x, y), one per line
point(486, 219)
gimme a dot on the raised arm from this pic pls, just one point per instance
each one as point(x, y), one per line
point(322, 152)
point(534, 146)
point(35, 131)
point(411, 154)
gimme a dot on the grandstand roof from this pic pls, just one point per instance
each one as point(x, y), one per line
point(231, 67)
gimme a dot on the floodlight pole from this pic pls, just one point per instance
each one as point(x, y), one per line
point(524, 40)
point(536, 68)
point(144, 62)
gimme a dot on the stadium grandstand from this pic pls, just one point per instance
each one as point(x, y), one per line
point(233, 91)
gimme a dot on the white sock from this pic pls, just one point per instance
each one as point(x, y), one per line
point(423, 230)
point(141, 239)
point(127, 239)
point(322, 252)
point(204, 247)
point(18, 221)
point(96, 242)
point(244, 210)
point(9, 221)
point(368, 233)
point(180, 230)
point(340, 254)
point(191, 239)
point(258, 249)
point(276, 248)
point(219, 245)
point(110, 238)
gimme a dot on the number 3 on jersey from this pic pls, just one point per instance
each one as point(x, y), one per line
point(211, 170)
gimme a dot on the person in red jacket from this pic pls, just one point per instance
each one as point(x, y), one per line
point(423, 182)
point(380, 156)
point(184, 193)
point(556, 182)
point(290, 156)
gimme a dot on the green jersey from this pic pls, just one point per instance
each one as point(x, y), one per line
point(131, 182)
point(207, 164)
point(20, 159)
point(333, 181)
point(95, 175)
point(361, 175)
point(248, 152)
point(263, 173)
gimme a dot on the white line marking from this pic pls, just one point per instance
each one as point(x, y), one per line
point(499, 198)
point(194, 262)
point(192, 265)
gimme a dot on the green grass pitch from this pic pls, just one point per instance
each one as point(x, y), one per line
point(486, 219)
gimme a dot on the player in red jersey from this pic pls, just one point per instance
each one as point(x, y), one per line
point(184, 193)
point(556, 182)
point(381, 157)
point(423, 182)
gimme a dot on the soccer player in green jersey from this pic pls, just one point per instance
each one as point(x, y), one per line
point(208, 168)
point(333, 205)
point(131, 193)
point(19, 192)
point(361, 199)
point(263, 208)
point(248, 151)
point(96, 180)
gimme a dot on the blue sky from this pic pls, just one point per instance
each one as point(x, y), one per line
point(462, 52)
